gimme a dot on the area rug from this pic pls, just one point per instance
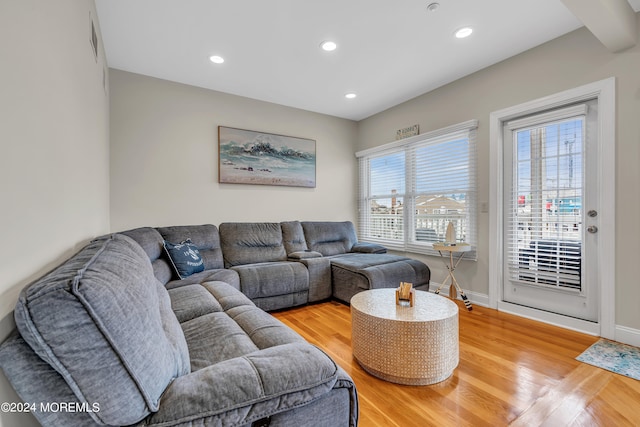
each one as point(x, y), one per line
point(615, 357)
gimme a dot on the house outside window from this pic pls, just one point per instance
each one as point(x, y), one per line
point(411, 189)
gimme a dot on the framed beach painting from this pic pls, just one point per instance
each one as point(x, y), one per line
point(251, 157)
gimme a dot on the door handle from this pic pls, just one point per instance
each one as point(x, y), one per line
point(592, 229)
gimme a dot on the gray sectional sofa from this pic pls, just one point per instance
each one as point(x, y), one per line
point(116, 336)
point(358, 266)
point(282, 265)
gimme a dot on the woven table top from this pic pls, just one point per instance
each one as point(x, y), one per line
point(381, 303)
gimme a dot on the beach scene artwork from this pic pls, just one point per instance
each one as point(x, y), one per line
point(250, 157)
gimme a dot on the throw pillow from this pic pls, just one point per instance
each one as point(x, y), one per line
point(185, 258)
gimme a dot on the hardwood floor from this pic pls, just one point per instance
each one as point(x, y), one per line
point(512, 371)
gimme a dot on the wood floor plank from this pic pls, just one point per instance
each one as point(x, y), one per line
point(565, 402)
point(512, 371)
point(620, 394)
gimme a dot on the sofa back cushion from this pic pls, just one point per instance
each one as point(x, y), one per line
point(330, 238)
point(293, 237)
point(251, 242)
point(151, 242)
point(104, 322)
point(205, 237)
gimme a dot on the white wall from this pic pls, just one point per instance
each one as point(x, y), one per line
point(570, 61)
point(54, 166)
point(164, 158)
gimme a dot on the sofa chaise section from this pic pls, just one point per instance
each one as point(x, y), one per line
point(358, 266)
point(355, 273)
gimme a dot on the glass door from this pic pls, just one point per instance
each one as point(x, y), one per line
point(548, 252)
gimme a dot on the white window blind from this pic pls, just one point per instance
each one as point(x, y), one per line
point(543, 234)
point(411, 189)
point(386, 195)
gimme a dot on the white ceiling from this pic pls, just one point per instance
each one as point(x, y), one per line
point(388, 51)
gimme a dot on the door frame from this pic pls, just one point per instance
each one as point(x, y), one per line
point(604, 92)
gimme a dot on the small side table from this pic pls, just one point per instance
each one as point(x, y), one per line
point(451, 266)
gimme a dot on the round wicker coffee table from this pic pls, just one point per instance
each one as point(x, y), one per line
point(407, 345)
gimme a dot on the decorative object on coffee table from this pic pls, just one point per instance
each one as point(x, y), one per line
point(404, 294)
point(406, 345)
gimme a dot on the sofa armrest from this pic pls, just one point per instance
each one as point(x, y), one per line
point(319, 277)
point(36, 382)
point(298, 255)
point(368, 248)
point(245, 389)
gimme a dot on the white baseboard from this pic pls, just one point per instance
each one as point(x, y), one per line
point(475, 298)
point(623, 334)
point(628, 335)
point(566, 322)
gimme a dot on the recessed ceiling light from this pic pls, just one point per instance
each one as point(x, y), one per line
point(464, 32)
point(350, 95)
point(328, 45)
point(216, 59)
point(433, 7)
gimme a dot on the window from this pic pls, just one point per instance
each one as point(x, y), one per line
point(411, 189)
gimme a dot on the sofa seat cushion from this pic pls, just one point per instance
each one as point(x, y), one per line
point(191, 301)
point(219, 336)
point(358, 261)
point(372, 271)
point(214, 338)
point(215, 275)
point(106, 305)
point(243, 390)
point(388, 275)
point(264, 330)
point(272, 279)
point(218, 331)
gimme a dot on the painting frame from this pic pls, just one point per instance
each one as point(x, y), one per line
point(263, 158)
